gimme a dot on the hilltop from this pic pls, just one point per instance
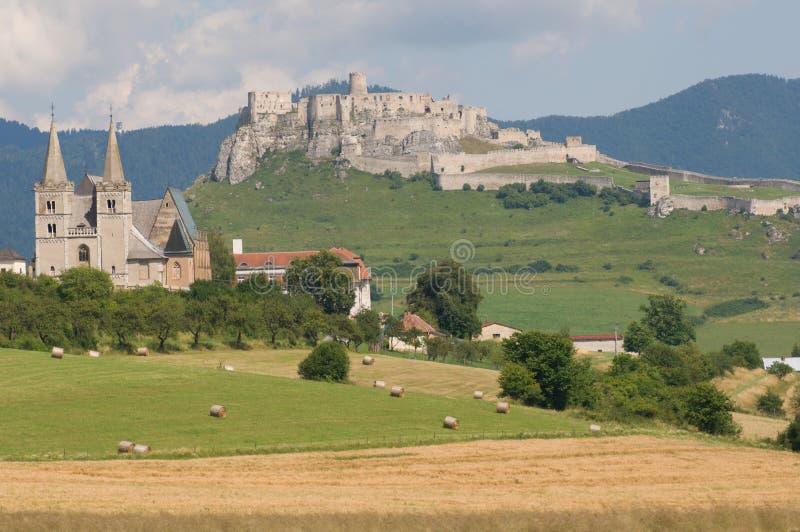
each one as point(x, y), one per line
point(745, 126)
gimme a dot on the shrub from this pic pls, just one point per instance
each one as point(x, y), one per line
point(518, 383)
point(566, 268)
point(480, 188)
point(780, 370)
point(647, 265)
point(625, 279)
point(327, 362)
point(791, 437)
point(466, 187)
point(771, 404)
point(709, 410)
point(607, 266)
point(735, 307)
point(540, 266)
point(743, 353)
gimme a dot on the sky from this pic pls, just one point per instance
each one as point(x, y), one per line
point(192, 61)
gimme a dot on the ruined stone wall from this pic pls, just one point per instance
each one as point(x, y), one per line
point(469, 163)
point(406, 165)
point(402, 127)
point(510, 134)
point(712, 203)
point(697, 177)
point(659, 188)
point(262, 103)
point(495, 181)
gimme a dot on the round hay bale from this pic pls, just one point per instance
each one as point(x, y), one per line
point(227, 367)
point(502, 407)
point(57, 352)
point(125, 446)
point(94, 354)
point(594, 428)
point(368, 360)
point(477, 394)
point(397, 391)
point(140, 448)
point(218, 411)
point(379, 384)
point(142, 352)
point(450, 422)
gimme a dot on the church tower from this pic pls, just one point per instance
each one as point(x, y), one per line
point(53, 204)
point(114, 209)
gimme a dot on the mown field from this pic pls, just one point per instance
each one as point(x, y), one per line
point(81, 407)
point(303, 206)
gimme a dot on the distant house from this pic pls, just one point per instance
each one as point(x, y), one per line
point(412, 321)
point(793, 362)
point(496, 331)
point(273, 265)
point(11, 261)
point(598, 342)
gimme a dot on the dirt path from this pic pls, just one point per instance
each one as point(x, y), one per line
point(591, 474)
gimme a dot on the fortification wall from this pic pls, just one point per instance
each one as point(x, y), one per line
point(770, 207)
point(468, 163)
point(269, 102)
point(495, 181)
point(712, 203)
point(407, 165)
point(697, 177)
point(401, 127)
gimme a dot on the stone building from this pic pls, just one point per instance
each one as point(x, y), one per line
point(11, 261)
point(99, 225)
point(496, 331)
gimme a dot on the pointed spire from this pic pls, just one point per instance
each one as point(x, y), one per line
point(54, 172)
point(112, 170)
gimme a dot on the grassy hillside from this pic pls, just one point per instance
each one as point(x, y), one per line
point(303, 206)
point(81, 407)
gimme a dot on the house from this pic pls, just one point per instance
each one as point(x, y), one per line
point(793, 362)
point(98, 225)
point(413, 321)
point(11, 261)
point(598, 342)
point(496, 331)
point(273, 265)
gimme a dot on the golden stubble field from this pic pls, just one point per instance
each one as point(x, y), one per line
point(586, 476)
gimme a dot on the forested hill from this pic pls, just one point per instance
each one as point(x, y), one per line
point(153, 158)
point(746, 126)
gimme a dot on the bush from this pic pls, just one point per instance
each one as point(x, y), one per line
point(791, 437)
point(771, 404)
point(466, 187)
point(327, 362)
point(709, 410)
point(540, 266)
point(480, 188)
point(780, 370)
point(647, 265)
point(518, 383)
point(566, 268)
point(735, 307)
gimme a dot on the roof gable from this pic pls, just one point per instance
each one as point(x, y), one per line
point(183, 211)
point(177, 242)
point(10, 254)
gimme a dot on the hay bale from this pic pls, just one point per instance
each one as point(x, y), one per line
point(140, 448)
point(502, 407)
point(477, 394)
point(142, 352)
point(397, 391)
point(379, 384)
point(125, 446)
point(450, 422)
point(368, 360)
point(594, 428)
point(218, 411)
point(227, 367)
point(94, 354)
point(57, 352)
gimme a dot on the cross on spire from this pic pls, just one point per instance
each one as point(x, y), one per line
point(52, 111)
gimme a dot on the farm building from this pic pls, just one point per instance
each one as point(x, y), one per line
point(598, 342)
point(793, 362)
point(496, 331)
point(11, 261)
point(273, 265)
point(412, 321)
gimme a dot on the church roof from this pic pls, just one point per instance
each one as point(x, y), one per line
point(54, 170)
point(83, 211)
point(177, 243)
point(183, 210)
point(139, 248)
point(144, 214)
point(112, 169)
point(10, 254)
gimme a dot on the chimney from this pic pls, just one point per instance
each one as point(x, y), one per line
point(237, 246)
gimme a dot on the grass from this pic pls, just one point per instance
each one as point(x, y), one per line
point(80, 407)
point(678, 186)
point(475, 145)
point(621, 176)
point(303, 206)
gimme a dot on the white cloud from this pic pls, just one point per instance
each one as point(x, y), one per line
point(541, 46)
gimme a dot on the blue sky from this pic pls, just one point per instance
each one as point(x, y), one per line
point(193, 61)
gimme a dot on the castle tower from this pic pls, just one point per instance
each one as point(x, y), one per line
point(358, 84)
point(114, 209)
point(53, 210)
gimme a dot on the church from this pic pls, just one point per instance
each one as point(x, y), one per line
point(99, 225)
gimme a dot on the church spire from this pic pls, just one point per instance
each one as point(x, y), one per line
point(112, 170)
point(54, 172)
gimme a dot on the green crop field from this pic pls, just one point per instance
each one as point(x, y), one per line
point(303, 206)
point(81, 407)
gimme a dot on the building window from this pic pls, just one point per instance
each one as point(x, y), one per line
point(176, 272)
point(83, 253)
point(53, 271)
point(51, 230)
point(51, 207)
point(496, 336)
point(111, 205)
point(113, 270)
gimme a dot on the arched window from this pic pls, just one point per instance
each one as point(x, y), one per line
point(83, 254)
point(176, 271)
point(52, 271)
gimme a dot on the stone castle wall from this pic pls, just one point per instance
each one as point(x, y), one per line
point(467, 163)
point(697, 177)
point(495, 181)
point(407, 165)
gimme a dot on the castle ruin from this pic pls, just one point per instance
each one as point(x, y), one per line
point(406, 132)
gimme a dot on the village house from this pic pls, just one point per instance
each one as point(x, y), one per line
point(598, 343)
point(496, 331)
point(273, 265)
point(792, 362)
point(410, 322)
point(11, 261)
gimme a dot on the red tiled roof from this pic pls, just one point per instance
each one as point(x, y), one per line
point(282, 259)
point(412, 321)
point(595, 337)
point(498, 323)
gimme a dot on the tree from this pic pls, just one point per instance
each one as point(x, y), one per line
point(204, 308)
point(780, 370)
point(665, 316)
point(327, 362)
point(125, 318)
point(791, 437)
point(242, 316)
point(86, 293)
point(449, 293)
point(742, 353)
point(549, 357)
point(438, 348)
point(771, 404)
point(278, 315)
point(163, 313)
point(709, 409)
point(223, 265)
point(322, 277)
point(517, 382)
point(368, 323)
point(637, 337)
